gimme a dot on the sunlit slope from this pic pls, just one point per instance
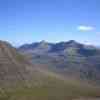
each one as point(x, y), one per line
point(48, 87)
point(20, 80)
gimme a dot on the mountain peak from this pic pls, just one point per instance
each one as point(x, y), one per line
point(43, 41)
point(43, 44)
point(72, 42)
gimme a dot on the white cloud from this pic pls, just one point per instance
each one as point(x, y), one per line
point(85, 28)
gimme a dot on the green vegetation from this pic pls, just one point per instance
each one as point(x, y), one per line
point(19, 57)
point(20, 80)
point(49, 88)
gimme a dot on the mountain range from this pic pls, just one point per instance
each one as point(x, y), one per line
point(46, 71)
point(66, 58)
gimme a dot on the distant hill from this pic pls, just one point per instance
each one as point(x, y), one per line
point(66, 58)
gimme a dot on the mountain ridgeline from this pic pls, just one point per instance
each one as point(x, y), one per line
point(41, 71)
point(13, 66)
point(66, 58)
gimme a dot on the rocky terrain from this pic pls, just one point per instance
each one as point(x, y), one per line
point(22, 80)
point(66, 58)
point(13, 66)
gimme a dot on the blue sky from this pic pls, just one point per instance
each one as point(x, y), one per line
point(26, 21)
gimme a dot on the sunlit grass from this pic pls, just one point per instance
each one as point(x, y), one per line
point(48, 89)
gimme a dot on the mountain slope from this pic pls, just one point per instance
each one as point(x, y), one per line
point(21, 80)
point(67, 58)
point(13, 66)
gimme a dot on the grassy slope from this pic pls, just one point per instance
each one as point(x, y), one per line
point(48, 88)
point(42, 86)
